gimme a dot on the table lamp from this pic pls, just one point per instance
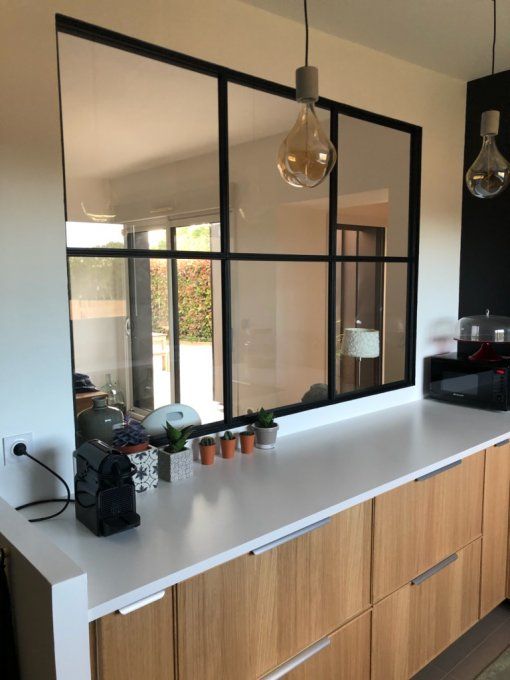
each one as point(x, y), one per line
point(360, 343)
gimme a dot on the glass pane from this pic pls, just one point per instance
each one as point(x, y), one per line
point(152, 327)
point(373, 184)
point(279, 321)
point(266, 214)
point(140, 148)
point(371, 320)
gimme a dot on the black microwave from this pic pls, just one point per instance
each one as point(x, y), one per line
point(460, 380)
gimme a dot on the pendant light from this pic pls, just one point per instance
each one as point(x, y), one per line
point(306, 156)
point(489, 175)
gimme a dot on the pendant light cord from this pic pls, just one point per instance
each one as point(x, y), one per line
point(306, 31)
point(493, 34)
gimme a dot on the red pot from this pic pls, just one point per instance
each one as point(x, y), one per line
point(207, 454)
point(133, 448)
point(228, 448)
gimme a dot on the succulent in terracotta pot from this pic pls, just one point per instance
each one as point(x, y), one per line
point(207, 450)
point(228, 444)
point(265, 429)
point(247, 441)
point(131, 437)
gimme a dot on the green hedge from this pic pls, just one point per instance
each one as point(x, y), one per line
point(195, 303)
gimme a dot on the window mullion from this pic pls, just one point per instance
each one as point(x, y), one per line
point(333, 199)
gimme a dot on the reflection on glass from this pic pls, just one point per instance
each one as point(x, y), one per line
point(370, 324)
point(151, 328)
point(279, 313)
point(140, 147)
point(266, 214)
point(373, 181)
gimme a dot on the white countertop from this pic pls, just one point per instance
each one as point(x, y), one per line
point(236, 505)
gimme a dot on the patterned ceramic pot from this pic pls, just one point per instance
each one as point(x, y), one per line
point(146, 463)
point(175, 466)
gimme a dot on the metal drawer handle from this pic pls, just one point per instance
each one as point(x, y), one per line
point(297, 660)
point(505, 441)
point(290, 537)
point(141, 603)
point(434, 570)
point(438, 472)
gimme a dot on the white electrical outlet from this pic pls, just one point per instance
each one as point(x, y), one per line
point(10, 442)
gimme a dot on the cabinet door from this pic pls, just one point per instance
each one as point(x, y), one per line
point(495, 527)
point(414, 624)
point(245, 617)
point(136, 645)
point(420, 523)
point(346, 658)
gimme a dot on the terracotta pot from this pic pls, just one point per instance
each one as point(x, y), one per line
point(228, 447)
point(207, 454)
point(133, 448)
point(247, 443)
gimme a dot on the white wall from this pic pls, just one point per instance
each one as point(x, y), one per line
point(34, 338)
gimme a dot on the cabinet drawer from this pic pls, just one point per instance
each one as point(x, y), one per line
point(495, 527)
point(245, 617)
point(136, 645)
point(414, 624)
point(347, 656)
point(420, 523)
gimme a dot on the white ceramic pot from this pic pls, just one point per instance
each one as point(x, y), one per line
point(265, 437)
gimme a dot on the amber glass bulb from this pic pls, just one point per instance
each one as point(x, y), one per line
point(490, 173)
point(306, 156)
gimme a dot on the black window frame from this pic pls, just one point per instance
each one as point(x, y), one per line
point(225, 76)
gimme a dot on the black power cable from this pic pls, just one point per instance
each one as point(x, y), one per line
point(494, 21)
point(21, 450)
point(306, 31)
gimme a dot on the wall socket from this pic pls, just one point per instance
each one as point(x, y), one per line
point(10, 442)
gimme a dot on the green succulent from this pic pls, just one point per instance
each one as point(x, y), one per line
point(247, 433)
point(207, 441)
point(177, 438)
point(265, 418)
point(228, 435)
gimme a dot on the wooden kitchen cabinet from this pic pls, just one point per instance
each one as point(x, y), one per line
point(420, 523)
point(243, 618)
point(418, 621)
point(136, 645)
point(495, 527)
point(346, 658)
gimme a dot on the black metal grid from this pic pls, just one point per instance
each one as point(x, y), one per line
point(225, 76)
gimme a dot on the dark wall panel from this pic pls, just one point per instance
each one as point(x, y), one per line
point(485, 249)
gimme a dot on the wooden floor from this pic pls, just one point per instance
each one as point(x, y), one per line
point(474, 651)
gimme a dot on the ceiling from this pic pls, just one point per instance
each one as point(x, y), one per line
point(449, 36)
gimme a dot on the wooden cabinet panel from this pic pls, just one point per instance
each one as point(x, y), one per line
point(136, 645)
point(245, 617)
point(347, 657)
point(495, 527)
point(414, 624)
point(420, 523)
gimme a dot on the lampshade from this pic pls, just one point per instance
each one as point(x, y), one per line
point(362, 343)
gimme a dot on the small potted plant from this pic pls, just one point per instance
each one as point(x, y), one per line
point(132, 439)
point(207, 450)
point(265, 430)
point(247, 441)
point(176, 459)
point(228, 444)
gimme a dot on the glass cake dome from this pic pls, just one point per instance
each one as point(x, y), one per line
point(484, 328)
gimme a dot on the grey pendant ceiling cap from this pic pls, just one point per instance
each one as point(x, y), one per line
point(307, 84)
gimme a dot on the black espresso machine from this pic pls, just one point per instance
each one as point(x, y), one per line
point(104, 489)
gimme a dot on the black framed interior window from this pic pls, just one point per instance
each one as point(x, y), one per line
point(196, 275)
